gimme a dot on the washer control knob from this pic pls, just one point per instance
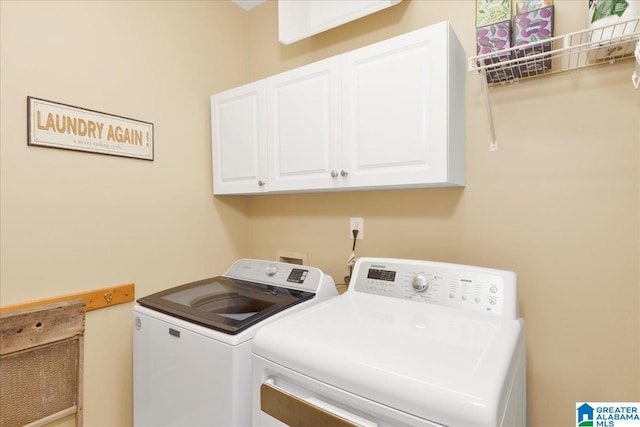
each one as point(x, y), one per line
point(419, 283)
point(271, 270)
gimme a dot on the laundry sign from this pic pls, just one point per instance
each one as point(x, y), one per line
point(56, 125)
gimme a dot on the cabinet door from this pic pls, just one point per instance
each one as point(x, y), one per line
point(239, 150)
point(304, 127)
point(397, 112)
point(303, 18)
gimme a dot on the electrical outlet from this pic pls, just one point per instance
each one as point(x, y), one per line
point(357, 224)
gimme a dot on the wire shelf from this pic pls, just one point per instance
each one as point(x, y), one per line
point(580, 49)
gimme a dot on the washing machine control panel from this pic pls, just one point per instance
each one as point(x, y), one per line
point(279, 274)
point(451, 285)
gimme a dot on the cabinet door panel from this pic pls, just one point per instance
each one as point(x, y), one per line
point(238, 120)
point(303, 18)
point(393, 131)
point(395, 111)
point(303, 126)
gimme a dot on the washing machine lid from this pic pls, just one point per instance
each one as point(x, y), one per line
point(427, 361)
point(224, 304)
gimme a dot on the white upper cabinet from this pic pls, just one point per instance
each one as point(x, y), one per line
point(239, 140)
point(388, 115)
point(304, 126)
point(303, 18)
point(403, 111)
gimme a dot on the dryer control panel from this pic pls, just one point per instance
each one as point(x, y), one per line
point(463, 287)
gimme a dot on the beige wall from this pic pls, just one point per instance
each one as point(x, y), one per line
point(558, 204)
point(75, 221)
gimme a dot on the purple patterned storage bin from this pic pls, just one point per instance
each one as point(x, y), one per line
point(531, 27)
point(494, 38)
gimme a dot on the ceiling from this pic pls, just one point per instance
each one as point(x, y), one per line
point(248, 4)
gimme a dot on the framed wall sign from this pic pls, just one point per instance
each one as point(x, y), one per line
point(56, 125)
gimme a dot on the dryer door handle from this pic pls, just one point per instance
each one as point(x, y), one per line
point(294, 405)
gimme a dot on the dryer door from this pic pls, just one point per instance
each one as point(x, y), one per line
point(294, 410)
point(283, 397)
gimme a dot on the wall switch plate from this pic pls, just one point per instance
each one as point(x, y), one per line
point(357, 224)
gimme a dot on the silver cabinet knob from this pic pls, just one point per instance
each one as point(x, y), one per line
point(261, 183)
point(344, 173)
point(334, 174)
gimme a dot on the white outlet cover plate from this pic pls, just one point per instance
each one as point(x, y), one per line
point(360, 222)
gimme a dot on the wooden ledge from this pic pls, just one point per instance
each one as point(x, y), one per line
point(93, 300)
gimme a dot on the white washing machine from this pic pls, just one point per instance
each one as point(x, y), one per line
point(192, 343)
point(411, 343)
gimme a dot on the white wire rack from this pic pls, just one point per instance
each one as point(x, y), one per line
point(561, 53)
point(580, 49)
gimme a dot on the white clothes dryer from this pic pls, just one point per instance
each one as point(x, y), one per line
point(411, 343)
point(192, 343)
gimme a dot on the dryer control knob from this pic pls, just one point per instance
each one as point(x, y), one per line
point(419, 283)
point(271, 270)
